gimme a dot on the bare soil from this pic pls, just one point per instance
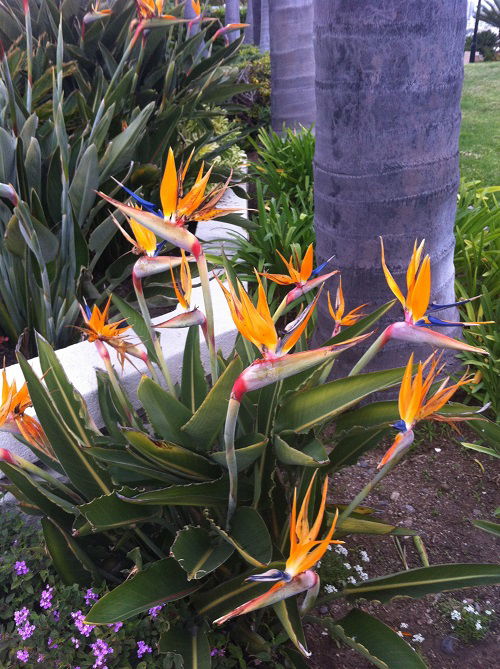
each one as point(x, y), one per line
point(438, 494)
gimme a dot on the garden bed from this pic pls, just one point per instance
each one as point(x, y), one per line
point(437, 490)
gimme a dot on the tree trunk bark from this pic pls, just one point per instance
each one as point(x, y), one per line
point(249, 32)
point(232, 16)
point(257, 13)
point(264, 26)
point(292, 63)
point(388, 85)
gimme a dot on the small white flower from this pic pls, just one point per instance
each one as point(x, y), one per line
point(469, 608)
point(358, 568)
point(456, 615)
point(418, 638)
point(341, 550)
point(364, 556)
point(330, 547)
point(329, 588)
point(488, 612)
point(364, 575)
point(318, 564)
point(324, 633)
point(404, 626)
point(351, 579)
point(464, 601)
point(478, 625)
point(347, 565)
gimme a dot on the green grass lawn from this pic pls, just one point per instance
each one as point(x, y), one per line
point(480, 133)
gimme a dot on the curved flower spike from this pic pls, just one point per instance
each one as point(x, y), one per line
point(414, 405)
point(415, 327)
point(299, 275)
point(305, 552)
point(151, 9)
point(337, 314)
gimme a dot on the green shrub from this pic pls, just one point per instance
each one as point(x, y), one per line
point(486, 43)
point(467, 620)
point(477, 267)
point(254, 70)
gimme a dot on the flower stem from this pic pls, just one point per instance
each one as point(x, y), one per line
point(232, 467)
point(369, 354)
point(137, 283)
point(52, 480)
point(209, 313)
point(279, 310)
point(370, 486)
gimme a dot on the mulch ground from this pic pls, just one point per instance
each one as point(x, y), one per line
point(436, 493)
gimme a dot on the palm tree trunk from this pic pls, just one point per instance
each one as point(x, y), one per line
point(257, 13)
point(292, 63)
point(232, 16)
point(388, 85)
point(264, 26)
point(249, 32)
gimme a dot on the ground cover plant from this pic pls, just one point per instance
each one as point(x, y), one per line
point(212, 500)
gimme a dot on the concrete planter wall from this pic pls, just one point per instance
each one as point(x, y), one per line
point(81, 360)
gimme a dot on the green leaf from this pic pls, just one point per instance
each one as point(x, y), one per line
point(120, 459)
point(425, 580)
point(372, 639)
point(211, 493)
point(248, 449)
point(84, 184)
point(70, 561)
point(480, 449)
point(227, 596)
point(198, 553)
point(173, 458)
point(250, 536)
point(488, 431)
point(109, 511)
point(352, 445)
point(356, 525)
point(80, 469)
point(194, 385)
point(303, 410)
point(192, 646)
point(37, 494)
point(208, 419)
point(165, 413)
point(312, 455)
point(288, 613)
point(488, 526)
point(163, 581)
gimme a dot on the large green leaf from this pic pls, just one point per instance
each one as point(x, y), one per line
point(425, 580)
point(248, 449)
point(488, 526)
point(312, 455)
point(372, 639)
point(166, 414)
point(173, 458)
point(80, 469)
point(348, 449)
point(36, 494)
point(194, 385)
point(488, 431)
point(109, 511)
point(163, 581)
point(84, 184)
point(208, 419)
point(250, 536)
point(70, 561)
point(135, 319)
point(303, 410)
point(192, 646)
point(288, 613)
point(198, 553)
point(228, 595)
point(132, 462)
point(211, 493)
point(355, 524)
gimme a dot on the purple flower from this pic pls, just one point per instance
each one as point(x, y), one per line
point(40, 658)
point(52, 644)
point(155, 611)
point(26, 630)
point(75, 642)
point(46, 598)
point(116, 626)
point(100, 649)
point(217, 651)
point(23, 655)
point(21, 616)
point(90, 597)
point(143, 648)
point(81, 626)
point(56, 614)
point(20, 567)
